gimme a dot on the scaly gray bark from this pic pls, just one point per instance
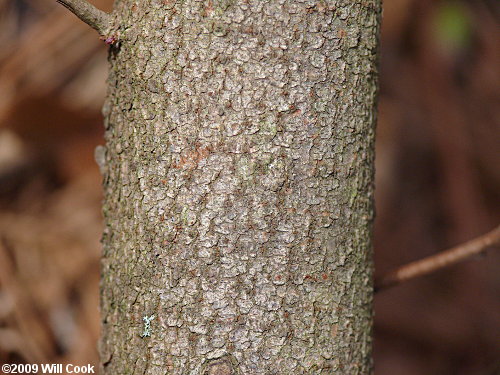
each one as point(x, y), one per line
point(238, 187)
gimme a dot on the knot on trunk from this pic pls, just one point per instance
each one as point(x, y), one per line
point(220, 366)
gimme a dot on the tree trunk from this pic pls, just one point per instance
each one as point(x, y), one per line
point(238, 187)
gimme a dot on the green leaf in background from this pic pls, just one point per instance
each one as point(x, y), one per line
point(452, 26)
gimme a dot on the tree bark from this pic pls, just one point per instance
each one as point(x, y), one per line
point(238, 177)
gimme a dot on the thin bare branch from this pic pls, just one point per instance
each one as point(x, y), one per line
point(95, 18)
point(438, 261)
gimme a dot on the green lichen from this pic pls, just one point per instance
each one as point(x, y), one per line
point(245, 168)
point(184, 215)
point(222, 5)
point(147, 325)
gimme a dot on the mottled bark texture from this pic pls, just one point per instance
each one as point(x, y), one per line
point(238, 187)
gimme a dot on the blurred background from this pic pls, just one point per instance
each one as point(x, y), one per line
point(438, 184)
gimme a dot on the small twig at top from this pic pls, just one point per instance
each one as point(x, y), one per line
point(438, 261)
point(95, 18)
